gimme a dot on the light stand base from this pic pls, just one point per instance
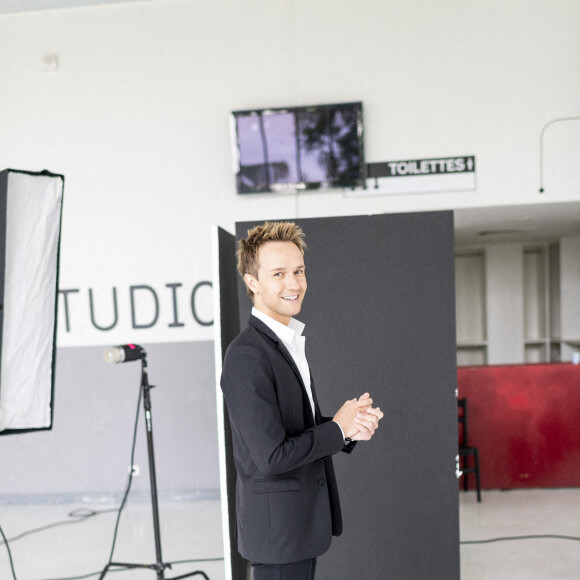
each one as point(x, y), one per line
point(160, 566)
point(130, 566)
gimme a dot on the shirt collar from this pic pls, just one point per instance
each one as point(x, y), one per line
point(285, 333)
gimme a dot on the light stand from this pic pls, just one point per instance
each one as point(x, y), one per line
point(159, 566)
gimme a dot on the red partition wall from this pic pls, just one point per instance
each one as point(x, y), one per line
point(525, 420)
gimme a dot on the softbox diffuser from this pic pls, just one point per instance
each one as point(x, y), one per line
point(30, 218)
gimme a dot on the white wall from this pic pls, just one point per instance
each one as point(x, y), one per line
point(504, 269)
point(136, 118)
point(570, 297)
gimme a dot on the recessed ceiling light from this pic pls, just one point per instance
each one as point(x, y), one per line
point(504, 232)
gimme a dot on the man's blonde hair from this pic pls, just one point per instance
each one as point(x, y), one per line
point(249, 247)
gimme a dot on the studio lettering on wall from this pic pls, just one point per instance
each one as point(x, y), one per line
point(160, 310)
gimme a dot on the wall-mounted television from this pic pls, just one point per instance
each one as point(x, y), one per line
point(295, 148)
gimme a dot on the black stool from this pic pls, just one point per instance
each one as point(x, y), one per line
point(465, 451)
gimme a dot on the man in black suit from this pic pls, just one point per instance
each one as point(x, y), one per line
point(286, 495)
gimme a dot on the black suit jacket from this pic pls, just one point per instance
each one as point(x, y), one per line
point(286, 494)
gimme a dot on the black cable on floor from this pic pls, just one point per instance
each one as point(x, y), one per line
point(89, 575)
point(77, 516)
point(532, 537)
point(9, 552)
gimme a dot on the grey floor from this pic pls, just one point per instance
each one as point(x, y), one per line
point(189, 531)
point(521, 513)
point(192, 530)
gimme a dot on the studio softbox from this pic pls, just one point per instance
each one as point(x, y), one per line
point(30, 219)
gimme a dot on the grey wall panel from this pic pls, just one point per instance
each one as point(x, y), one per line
point(380, 317)
point(88, 450)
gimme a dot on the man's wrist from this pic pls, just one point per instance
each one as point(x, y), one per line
point(345, 439)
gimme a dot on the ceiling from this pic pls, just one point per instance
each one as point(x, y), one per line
point(530, 224)
point(12, 6)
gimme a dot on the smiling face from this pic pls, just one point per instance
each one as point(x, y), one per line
point(280, 285)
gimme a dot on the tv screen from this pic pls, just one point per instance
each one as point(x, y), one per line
point(289, 149)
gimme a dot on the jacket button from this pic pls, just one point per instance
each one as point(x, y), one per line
point(321, 482)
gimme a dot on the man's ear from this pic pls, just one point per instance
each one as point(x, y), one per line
point(251, 282)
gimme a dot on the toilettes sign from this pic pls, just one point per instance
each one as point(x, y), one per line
point(421, 176)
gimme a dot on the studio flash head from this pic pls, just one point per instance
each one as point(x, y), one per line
point(123, 353)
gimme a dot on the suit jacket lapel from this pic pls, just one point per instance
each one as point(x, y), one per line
point(259, 325)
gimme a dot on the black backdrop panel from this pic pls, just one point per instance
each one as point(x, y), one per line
point(229, 329)
point(380, 317)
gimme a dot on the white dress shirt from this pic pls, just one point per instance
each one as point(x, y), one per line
point(291, 337)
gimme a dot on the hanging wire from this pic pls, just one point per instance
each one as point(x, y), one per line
point(543, 131)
